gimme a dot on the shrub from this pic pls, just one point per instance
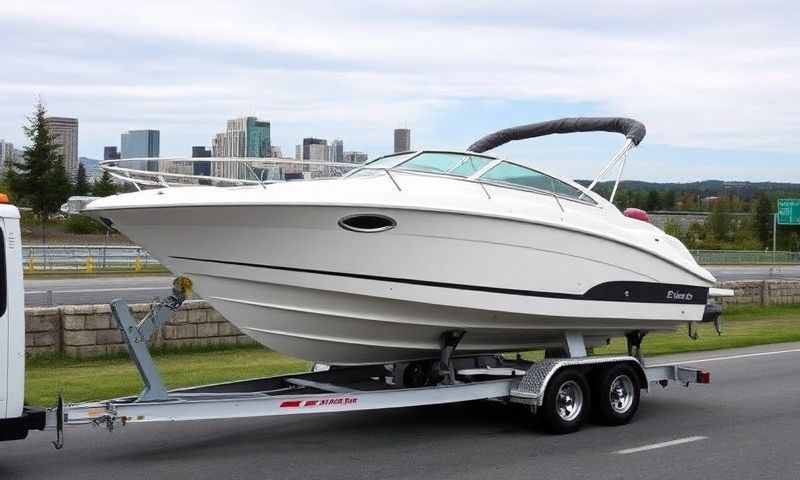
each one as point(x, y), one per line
point(82, 225)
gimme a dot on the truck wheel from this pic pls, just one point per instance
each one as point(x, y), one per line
point(617, 392)
point(565, 402)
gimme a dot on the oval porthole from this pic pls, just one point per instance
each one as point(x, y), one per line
point(367, 223)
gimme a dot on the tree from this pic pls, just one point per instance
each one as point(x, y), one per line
point(762, 223)
point(673, 227)
point(668, 202)
point(720, 220)
point(105, 186)
point(653, 201)
point(39, 180)
point(81, 184)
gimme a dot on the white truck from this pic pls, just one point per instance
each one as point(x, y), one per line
point(16, 419)
point(549, 388)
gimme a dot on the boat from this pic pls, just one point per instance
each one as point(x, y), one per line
point(376, 266)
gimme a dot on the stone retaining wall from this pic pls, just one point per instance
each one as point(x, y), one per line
point(763, 292)
point(88, 330)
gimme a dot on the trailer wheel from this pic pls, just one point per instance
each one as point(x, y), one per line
point(617, 392)
point(565, 402)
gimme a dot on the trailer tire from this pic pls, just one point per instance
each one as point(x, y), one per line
point(566, 400)
point(616, 394)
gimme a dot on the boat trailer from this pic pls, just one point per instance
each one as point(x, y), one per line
point(558, 388)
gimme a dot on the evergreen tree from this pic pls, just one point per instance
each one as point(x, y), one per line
point(668, 202)
point(719, 220)
point(39, 181)
point(81, 184)
point(653, 201)
point(60, 185)
point(762, 223)
point(105, 186)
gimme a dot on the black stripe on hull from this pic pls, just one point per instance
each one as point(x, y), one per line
point(634, 292)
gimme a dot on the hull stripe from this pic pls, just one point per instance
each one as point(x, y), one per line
point(634, 292)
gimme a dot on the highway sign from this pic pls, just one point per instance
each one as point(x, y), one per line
point(789, 211)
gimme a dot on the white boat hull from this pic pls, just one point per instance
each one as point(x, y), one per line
point(291, 278)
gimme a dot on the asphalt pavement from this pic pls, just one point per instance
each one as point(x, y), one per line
point(95, 290)
point(143, 289)
point(744, 425)
point(755, 272)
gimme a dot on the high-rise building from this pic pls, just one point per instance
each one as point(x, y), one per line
point(275, 152)
point(336, 153)
point(7, 156)
point(317, 152)
point(243, 137)
point(201, 168)
point(355, 157)
point(110, 153)
point(142, 144)
point(314, 150)
point(65, 134)
point(307, 144)
point(92, 167)
point(402, 140)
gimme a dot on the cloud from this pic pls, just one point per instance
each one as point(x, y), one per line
point(716, 75)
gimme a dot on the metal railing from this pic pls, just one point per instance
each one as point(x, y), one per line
point(744, 257)
point(88, 259)
point(131, 258)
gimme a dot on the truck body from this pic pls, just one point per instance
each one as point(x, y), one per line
point(15, 418)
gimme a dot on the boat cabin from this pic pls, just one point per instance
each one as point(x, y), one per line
point(478, 168)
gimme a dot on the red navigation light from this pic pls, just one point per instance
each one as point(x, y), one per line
point(637, 214)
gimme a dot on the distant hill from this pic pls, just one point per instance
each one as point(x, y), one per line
point(744, 190)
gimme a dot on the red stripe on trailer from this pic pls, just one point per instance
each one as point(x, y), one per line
point(310, 403)
point(290, 403)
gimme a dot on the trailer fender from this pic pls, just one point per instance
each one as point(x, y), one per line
point(530, 389)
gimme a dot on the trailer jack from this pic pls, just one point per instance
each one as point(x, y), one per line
point(137, 334)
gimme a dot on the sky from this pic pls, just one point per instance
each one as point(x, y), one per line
point(716, 83)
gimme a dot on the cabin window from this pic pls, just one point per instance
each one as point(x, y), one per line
point(511, 173)
point(456, 164)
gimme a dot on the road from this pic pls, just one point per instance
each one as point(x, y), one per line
point(743, 425)
point(756, 272)
point(72, 291)
point(100, 289)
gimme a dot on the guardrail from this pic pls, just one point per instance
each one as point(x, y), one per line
point(88, 259)
point(744, 257)
point(131, 258)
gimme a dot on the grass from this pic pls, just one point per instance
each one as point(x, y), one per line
point(82, 380)
point(742, 326)
point(109, 377)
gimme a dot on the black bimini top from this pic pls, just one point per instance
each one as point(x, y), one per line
point(632, 129)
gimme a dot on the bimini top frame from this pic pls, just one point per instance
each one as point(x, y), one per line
point(633, 130)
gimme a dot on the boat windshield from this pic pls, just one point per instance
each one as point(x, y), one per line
point(516, 175)
point(457, 164)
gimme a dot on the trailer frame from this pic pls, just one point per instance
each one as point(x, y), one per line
point(328, 389)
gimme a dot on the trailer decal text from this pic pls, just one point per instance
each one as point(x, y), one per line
point(325, 402)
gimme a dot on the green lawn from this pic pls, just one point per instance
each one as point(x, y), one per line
point(82, 380)
point(95, 379)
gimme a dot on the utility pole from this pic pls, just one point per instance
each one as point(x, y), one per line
point(774, 235)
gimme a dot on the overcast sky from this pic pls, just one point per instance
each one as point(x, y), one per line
point(716, 83)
